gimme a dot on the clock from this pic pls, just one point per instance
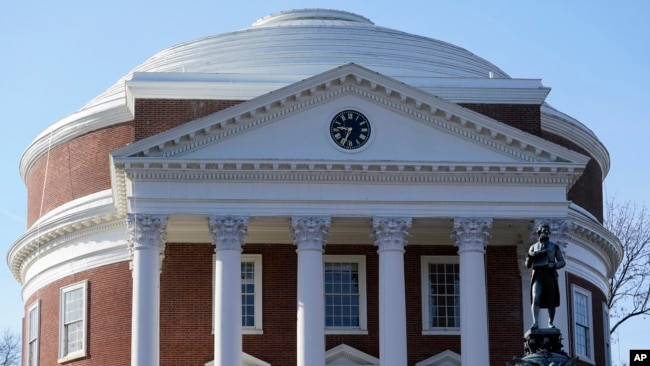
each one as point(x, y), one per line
point(350, 129)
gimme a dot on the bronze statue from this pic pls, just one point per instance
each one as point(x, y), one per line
point(545, 257)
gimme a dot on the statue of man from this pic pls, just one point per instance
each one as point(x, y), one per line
point(545, 257)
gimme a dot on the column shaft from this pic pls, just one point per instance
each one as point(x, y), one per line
point(228, 236)
point(471, 239)
point(310, 235)
point(147, 247)
point(390, 237)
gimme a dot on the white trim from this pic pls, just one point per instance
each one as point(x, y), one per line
point(247, 360)
point(34, 307)
point(424, 273)
point(583, 357)
point(444, 358)
point(350, 354)
point(257, 281)
point(606, 336)
point(363, 310)
point(560, 124)
point(63, 355)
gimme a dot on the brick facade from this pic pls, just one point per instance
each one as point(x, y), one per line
point(75, 169)
point(153, 116)
point(109, 316)
point(505, 313)
point(186, 313)
point(186, 307)
point(526, 117)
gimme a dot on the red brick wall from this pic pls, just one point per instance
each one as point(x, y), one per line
point(109, 316)
point(74, 169)
point(597, 300)
point(186, 304)
point(420, 347)
point(277, 345)
point(526, 117)
point(504, 304)
point(186, 307)
point(153, 116)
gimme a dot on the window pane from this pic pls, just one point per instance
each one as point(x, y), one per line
point(32, 353)
point(444, 295)
point(74, 337)
point(33, 324)
point(342, 294)
point(73, 302)
point(248, 294)
point(581, 314)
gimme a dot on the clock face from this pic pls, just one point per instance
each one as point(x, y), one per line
point(350, 129)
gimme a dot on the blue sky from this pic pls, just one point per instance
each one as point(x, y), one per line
point(56, 56)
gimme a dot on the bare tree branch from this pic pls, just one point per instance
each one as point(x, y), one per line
point(630, 287)
point(9, 349)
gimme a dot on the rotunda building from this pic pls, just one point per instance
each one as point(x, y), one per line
point(312, 190)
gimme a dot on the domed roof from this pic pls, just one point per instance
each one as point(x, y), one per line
point(302, 43)
point(290, 46)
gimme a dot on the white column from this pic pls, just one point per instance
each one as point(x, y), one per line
point(310, 235)
point(471, 236)
point(228, 237)
point(390, 235)
point(147, 249)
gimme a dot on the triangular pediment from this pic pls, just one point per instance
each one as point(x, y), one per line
point(344, 355)
point(445, 358)
point(293, 123)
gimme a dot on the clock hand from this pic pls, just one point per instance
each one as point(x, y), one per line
point(345, 139)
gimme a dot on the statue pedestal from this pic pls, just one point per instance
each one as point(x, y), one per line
point(543, 347)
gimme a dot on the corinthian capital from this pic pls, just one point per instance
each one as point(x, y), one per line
point(228, 232)
point(390, 233)
point(471, 234)
point(310, 232)
point(146, 231)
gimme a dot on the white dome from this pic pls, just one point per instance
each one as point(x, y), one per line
point(298, 44)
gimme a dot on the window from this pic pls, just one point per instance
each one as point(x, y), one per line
point(33, 328)
point(345, 294)
point(582, 324)
point(251, 293)
point(440, 294)
point(72, 340)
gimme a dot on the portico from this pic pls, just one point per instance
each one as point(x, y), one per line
point(277, 188)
